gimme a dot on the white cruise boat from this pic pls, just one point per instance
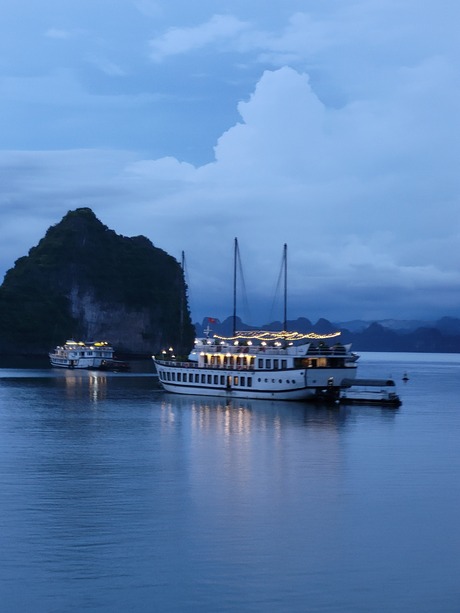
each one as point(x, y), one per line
point(75, 354)
point(262, 365)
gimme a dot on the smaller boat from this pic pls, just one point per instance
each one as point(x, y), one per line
point(115, 365)
point(79, 354)
point(381, 392)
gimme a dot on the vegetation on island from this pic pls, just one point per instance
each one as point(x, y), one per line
point(82, 269)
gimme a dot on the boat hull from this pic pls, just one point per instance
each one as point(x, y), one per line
point(76, 364)
point(298, 394)
point(260, 385)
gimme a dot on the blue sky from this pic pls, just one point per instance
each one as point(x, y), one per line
point(331, 126)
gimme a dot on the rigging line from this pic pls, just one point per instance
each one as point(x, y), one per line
point(277, 292)
point(238, 275)
point(244, 294)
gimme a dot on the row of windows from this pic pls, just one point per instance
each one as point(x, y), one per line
point(205, 379)
point(267, 363)
point(219, 380)
point(228, 361)
point(241, 362)
point(279, 380)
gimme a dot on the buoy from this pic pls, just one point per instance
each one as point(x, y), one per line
point(405, 377)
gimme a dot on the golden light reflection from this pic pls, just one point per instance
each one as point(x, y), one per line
point(78, 382)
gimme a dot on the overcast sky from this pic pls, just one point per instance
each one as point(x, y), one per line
point(332, 126)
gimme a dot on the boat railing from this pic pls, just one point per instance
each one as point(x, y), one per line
point(327, 351)
point(177, 364)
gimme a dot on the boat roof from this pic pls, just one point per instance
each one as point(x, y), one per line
point(88, 343)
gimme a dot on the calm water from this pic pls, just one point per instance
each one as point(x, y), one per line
point(115, 496)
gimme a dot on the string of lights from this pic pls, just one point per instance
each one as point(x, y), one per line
point(262, 335)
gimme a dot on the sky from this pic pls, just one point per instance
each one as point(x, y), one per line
point(331, 126)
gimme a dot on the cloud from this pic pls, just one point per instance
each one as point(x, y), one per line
point(107, 66)
point(149, 8)
point(341, 187)
point(334, 130)
point(175, 41)
point(58, 33)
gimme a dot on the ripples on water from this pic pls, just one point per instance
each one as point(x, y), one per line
point(116, 496)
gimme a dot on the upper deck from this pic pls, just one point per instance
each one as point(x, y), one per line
point(267, 351)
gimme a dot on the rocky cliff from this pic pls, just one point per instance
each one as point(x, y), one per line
point(86, 282)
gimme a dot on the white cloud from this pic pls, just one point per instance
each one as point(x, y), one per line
point(107, 66)
point(58, 33)
point(181, 40)
point(149, 8)
point(341, 187)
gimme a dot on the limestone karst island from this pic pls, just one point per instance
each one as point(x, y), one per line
point(83, 280)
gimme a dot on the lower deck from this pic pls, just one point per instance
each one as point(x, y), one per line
point(284, 384)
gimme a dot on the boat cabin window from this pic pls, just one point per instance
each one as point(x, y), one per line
point(260, 363)
point(249, 381)
point(222, 379)
point(179, 376)
point(235, 380)
point(243, 381)
point(268, 363)
point(216, 379)
point(203, 378)
point(311, 362)
point(276, 364)
point(209, 379)
point(283, 364)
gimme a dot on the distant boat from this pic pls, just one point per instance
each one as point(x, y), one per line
point(260, 364)
point(79, 354)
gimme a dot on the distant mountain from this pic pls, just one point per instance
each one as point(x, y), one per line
point(358, 325)
point(86, 282)
point(442, 336)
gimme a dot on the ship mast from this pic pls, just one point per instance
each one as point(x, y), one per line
point(182, 301)
point(235, 256)
point(285, 286)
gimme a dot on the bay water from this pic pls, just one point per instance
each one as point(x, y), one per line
point(116, 496)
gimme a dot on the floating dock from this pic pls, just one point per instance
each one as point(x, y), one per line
point(380, 392)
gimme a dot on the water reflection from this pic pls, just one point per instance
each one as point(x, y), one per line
point(156, 496)
point(240, 416)
point(90, 384)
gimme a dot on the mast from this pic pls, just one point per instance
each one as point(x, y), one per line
point(285, 286)
point(182, 301)
point(235, 256)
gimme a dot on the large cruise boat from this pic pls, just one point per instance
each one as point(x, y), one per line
point(79, 354)
point(263, 365)
point(260, 364)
